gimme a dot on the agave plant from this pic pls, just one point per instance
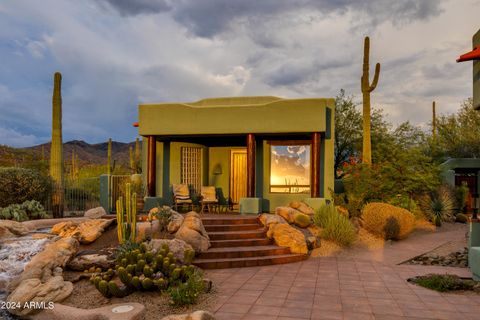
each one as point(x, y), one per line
point(439, 206)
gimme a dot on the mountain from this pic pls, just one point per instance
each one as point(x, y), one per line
point(87, 153)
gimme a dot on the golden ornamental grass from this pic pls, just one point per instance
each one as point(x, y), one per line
point(376, 214)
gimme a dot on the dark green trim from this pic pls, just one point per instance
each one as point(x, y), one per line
point(328, 124)
point(322, 166)
point(458, 163)
point(167, 193)
point(259, 168)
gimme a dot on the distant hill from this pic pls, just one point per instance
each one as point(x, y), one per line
point(87, 153)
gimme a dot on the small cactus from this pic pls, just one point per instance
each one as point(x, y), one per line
point(147, 271)
point(116, 291)
point(123, 275)
point(136, 283)
point(140, 256)
point(96, 281)
point(149, 256)
point(124, 262)
point(161, 284)
point(189, 256)
point(176, 273)
point(103, 288)
point(131, 268)
point(140, 266)
point(165, 247)
point(147, 284)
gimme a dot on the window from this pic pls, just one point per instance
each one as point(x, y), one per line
point(191, 167)
point(290, 168)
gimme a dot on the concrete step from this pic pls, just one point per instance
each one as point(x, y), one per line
point(209, 220)
point(231, 227)
point(232, 235)
point(243, 252)
point(240, 242)
point(248, 262)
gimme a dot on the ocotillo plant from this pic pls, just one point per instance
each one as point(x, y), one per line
point(366, 89)
point(56, 149)
point(109, 157)
point(127, 216)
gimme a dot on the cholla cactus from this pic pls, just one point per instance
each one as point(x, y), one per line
point(366, 89)
point(56, 149)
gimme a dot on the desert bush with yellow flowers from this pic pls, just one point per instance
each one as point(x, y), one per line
point(382, 219)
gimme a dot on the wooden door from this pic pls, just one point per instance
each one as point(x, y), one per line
point(238, 174)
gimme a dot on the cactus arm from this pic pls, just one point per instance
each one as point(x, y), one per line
point(120, 224)
point(375, 78)
point(134, 217)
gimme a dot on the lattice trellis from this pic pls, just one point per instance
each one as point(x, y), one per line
point(191, 167)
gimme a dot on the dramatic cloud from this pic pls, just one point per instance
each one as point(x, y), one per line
point(115, 54)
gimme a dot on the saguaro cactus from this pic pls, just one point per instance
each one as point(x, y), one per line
point(56, 149)
point(434, 121)
point(137, 156)
point(109, 157)
point(132, 160)
point(366, 89)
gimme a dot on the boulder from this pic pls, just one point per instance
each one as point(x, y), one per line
point(312, 242)
point(85, 231)
point(176, 220)
point(287, 213)
point(197, 315)
point(95, 213)
point(148, 230)
point(176, 246)
point(315, 231)
point(302, 220)
point(302, 207)
point(10, 228)
point(55, 289)
point(53, 256)
point(267, 219)
point(193, 232)
point(287, 236)
point(86, 261)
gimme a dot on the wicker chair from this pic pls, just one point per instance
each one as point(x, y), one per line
point(181, 196)
point(209, 198)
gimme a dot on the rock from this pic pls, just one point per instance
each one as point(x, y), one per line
point(10, 228)
point(38, 236)
point(312, 242)
point(95, 213)
point(315, 231)
point(302, 207)
point(83, 262)
point(287, 236)
point(176, 221)
point(301, 220)
point(357, 223)
point(197, 315)
point(85, 231)
point(287, 213)
point(193, 232)
point(267, 219)
point(207, 285)
point(177, 246)
point(148, 230)
point(55, 289)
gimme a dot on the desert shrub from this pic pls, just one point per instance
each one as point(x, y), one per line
point(376, 214)
point(187, 292)
point(439, 205)
point(19, 185)
point(443, 282)
point(336, 227)
point(29, 209)
point(391, 228)
point(461, 218)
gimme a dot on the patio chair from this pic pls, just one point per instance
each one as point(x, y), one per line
point(208, 198)
point(181, 196)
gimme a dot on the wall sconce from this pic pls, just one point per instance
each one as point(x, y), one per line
point(476, 205)
point(217, 169)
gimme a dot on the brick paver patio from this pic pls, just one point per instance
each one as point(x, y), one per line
point(365, 285)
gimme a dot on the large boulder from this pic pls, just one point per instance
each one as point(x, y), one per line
point(176, 246)
point(85, 231)
point(95, 213)
point(193, 232)
point(287, 236)
point(10, 228)
point(302, 207)
point(302, 220)
point(176, 220)
point(287, 213)
point(197, 315)
point(86, 261)
point(55, 289)
point(267, 219)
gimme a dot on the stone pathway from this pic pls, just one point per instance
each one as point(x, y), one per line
point(363, 285)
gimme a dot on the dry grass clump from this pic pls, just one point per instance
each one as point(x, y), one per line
point(375, 216)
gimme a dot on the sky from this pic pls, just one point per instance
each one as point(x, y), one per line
point(116, 54)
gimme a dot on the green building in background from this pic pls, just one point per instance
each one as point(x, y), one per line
point(258, 152)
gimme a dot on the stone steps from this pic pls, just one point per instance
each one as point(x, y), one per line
point(240, 241)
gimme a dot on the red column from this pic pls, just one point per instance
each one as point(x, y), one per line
point(315, 159)
point(151, 166)
point(250, 165)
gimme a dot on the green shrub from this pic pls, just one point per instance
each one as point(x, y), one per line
point(443, 282)
point(188, 291)
point(19, 185)
point(336, 227)
point(461, 218)
point(29, 209)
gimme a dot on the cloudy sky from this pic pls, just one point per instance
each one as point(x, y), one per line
point(115, 54)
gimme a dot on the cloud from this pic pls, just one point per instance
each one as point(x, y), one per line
point(137, 7)
point(14, 138)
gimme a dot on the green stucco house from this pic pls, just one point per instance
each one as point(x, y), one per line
point(258, 152)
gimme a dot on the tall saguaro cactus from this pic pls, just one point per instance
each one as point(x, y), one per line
point(137, 156)
point(366, 89)
point(434, 121)
point(109, 157)
point(56, 151)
